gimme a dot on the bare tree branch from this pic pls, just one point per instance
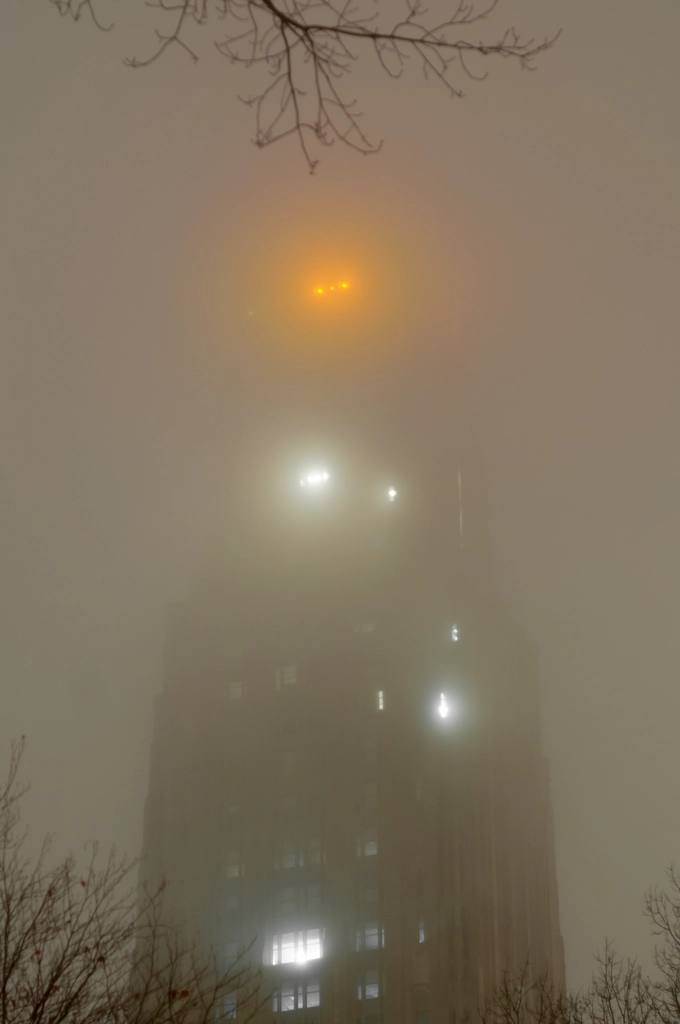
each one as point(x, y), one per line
point(308, 47)
point(79, 945)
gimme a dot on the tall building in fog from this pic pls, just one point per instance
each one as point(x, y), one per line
point(347, 777)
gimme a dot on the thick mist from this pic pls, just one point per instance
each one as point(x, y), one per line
point(516, 256)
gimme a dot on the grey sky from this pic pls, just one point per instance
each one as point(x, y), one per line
point(549, 200)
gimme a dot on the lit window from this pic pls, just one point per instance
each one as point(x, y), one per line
point(286, 949)
point(236, 690)
point(230, 1007)
point(368, 986)
point(234, 864)
point(380, 700)
point(391, 494)
point(313, 945)
point(370, 936)
point(443, 709)
point(291, 997)
point(370, 842)
point(313, 993)
point(288, 997)
point(421, 931)
point(286, 675)
point(454, 633)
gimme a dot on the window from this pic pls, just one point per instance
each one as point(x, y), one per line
point(290, 947)
point(421, 931)
point(367, 843)
point(230, 1007)
point(286, 675)
point(236, 690)
point(370, 936)
point(368, 985)
point(313, 993)
point(291, 997)
point(380, 700)
point(234, 867)
point(288, 997)
point(454, 633)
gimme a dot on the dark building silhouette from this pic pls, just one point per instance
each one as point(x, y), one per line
point(346, 774)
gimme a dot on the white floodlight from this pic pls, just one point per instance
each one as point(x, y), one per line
point(454, 634)
point(315, 478)
point(391, 494)
point(443, 709)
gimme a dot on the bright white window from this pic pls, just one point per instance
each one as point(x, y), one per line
point(454, 634)
point(313, 950)
point(380, 700)
point(236, 690)
point(290, 948)
point(421, 931)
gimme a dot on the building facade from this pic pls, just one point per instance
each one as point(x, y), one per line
point(347, 779)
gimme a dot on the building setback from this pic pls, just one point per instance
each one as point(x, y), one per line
point(347, 777)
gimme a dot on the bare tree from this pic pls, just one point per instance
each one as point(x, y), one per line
point(306, 48)
point(79, 945)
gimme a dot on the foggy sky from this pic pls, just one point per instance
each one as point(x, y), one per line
point(540, 219)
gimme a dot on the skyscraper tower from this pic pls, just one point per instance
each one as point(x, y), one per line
point(347, 778)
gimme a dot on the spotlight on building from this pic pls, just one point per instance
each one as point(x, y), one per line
point(391, 494)
point(315, 478)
